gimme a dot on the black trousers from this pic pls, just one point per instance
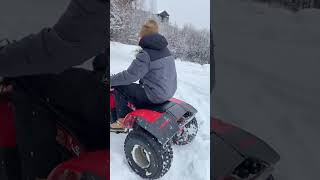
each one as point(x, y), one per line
point(133, 93)
point(76, 91)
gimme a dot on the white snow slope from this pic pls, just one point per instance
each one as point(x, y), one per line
point(267, 80)
point(190, 162)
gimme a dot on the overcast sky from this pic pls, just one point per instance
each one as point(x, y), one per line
point(196, 12)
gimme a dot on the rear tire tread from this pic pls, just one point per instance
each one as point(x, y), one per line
point(164, 153)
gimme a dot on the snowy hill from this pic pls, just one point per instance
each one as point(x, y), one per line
point(190, 162)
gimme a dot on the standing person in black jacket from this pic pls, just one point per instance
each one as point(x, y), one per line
point(36, 67)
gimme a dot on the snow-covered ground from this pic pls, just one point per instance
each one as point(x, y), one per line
point(267, 79)
point(191, 162)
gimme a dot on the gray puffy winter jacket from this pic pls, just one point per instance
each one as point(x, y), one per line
point(154, 66)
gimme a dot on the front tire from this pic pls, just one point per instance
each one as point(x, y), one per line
point(146, 156)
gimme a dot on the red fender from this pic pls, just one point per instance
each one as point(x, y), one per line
point(148, 115)
point(7, 128)
point(112, 100)
point(96, 163)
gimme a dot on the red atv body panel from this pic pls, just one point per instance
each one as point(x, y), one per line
point(7, 128)
point(112, 100)
point(86, 163)
point(148, 115)
point(95, 164)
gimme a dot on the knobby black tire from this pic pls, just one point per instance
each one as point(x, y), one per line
point(161, 155)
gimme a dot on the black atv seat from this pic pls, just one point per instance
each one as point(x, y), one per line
point(162, 107)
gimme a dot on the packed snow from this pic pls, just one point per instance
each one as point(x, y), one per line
point(190, 162)
point(267, 79)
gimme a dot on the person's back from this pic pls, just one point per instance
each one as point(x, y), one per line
point(161, 80)
point(154, 67)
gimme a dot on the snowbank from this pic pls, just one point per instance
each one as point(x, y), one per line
point(190, 162)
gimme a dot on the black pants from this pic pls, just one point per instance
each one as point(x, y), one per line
point(78, 92)
point(133, 93)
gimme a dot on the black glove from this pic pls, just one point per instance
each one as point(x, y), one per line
point(100, 62)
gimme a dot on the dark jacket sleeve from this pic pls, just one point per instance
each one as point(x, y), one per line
point(80, 34)
point(138, 68)
point(101, 62)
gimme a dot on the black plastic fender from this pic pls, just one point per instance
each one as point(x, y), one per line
point(224, 158)
point(244, 142)
point(163, 125)
point(163, 128)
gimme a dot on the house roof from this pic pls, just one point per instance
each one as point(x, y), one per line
point(163, 13)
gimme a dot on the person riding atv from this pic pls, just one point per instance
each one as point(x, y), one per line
point(155, 69)
point(37, 69)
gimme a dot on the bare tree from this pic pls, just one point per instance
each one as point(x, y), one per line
point(187, 43)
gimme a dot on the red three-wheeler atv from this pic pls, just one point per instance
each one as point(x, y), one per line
point(151, 133)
